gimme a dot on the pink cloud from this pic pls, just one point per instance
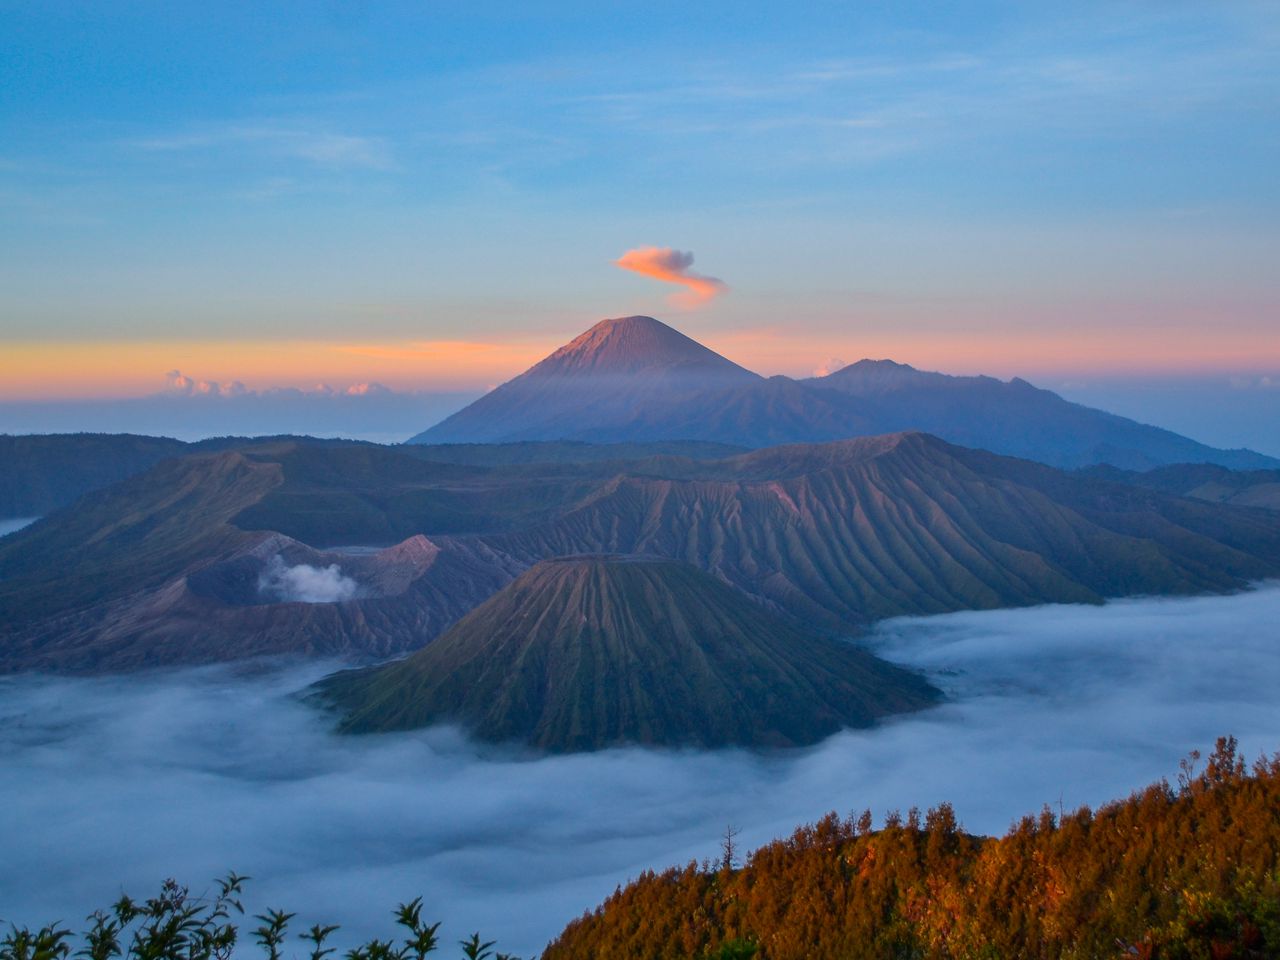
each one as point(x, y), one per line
point(830, 367)
point(672, 266)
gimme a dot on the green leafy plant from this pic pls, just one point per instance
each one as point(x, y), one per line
point(174, 925)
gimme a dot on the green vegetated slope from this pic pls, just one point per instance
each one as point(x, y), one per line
point(1171, 873)
point(153, 572)
point(131, 536)
point(839, 534)
point(582, 653)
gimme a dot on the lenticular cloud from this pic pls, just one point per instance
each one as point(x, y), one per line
point(672, 266)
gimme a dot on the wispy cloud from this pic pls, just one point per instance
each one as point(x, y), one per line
point(319, 147)
point(1255, 383)
point(672, 266)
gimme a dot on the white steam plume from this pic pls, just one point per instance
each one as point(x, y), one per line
point(304, 583)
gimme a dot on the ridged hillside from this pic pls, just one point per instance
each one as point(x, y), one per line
point(833, 536)
point(582, 653)
point(152, 572)
point(840, 534)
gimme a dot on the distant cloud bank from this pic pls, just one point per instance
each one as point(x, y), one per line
point(276, 141)
point(177, 384)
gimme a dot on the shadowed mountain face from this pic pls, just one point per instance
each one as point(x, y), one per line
point(41, 473)
point(368, 551)
point(582, 653)
point(636, 379)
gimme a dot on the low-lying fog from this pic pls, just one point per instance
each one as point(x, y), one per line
point(117, 783)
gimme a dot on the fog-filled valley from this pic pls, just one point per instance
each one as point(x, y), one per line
point(118, 782)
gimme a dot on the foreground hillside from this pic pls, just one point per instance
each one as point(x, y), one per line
point(1185, 872)
point(582, 653)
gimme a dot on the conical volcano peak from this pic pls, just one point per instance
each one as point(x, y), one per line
point(610, 376)
point(634, 345)
point(598, 650)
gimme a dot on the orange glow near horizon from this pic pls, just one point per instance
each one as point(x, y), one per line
point(1029, 354)
point(51, 370)
point(54, 370)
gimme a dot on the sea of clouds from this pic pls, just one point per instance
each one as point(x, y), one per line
point(115, 783)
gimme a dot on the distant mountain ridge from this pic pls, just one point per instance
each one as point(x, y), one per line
point(41, 473)
point(636, 379)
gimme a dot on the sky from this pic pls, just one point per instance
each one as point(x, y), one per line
point(111, 784)
point(430, 197)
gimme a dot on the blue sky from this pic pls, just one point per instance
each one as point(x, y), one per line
point(1051, 190)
